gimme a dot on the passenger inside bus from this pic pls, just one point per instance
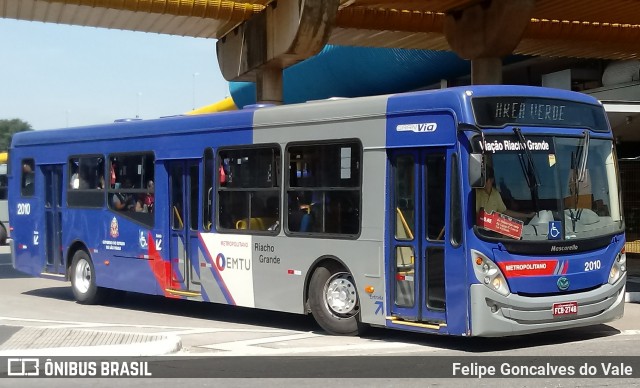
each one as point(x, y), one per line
point(123, 201)
point(75, 178)
point(489, 199)
point(85, 178)
point(145, 202)
point(27, 179)
point(300, 212)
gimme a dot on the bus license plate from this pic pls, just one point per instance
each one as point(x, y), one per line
point(567, 308)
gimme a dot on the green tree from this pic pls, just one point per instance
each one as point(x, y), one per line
point(8, 128)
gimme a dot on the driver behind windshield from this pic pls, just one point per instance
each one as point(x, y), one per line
point(489, 199)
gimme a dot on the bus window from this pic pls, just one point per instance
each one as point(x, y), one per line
point(28, 177)
point(207, 193)
point(323, 194)
point(86, 181)
point(132, 192)
point(455, 208)
point(249, 197)
point(436, 172)
point(404, 194)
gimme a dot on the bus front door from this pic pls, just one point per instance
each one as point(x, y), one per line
point(417, 289)
point(184, 207)
point(52, 239)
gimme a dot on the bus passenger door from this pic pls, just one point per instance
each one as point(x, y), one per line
point(184, 206)
point(417, 236)
point(52, 239)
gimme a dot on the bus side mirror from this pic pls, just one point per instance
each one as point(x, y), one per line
point(476, 170)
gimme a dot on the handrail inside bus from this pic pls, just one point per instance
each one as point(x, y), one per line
point(405, 225)
point(177, 213)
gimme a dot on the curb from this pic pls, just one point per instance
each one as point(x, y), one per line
point(632, 297)
point(48, 342)
point(633, 282)
point(158, 348)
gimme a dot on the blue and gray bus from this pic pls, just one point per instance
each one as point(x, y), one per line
point(361, 212)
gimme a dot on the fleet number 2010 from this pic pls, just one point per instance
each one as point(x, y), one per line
point(592, 265)
point(24, 209)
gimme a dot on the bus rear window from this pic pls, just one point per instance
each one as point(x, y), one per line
point(27, 185)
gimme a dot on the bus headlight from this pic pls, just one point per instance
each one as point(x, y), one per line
point(488, 273)
point(619, 267)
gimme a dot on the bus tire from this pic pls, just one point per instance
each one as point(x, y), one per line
point(3, 235)
point(333, 300)
point(83, 280)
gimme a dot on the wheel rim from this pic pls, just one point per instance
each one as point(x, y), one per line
point(82, 276)
point(340, 295)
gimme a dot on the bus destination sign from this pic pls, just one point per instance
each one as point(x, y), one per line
point(502, 111)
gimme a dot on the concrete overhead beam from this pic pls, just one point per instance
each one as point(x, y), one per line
point(485, 32)
point(283, 34)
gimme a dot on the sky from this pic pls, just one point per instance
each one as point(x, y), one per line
point(57, 76)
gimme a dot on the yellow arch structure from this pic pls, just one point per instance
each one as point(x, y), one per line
point(220, 106)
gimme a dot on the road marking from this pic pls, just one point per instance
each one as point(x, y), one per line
point(252, 347)
point(172, 329)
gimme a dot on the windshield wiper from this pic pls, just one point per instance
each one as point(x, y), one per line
point(530, 172)
point(581, 176)
point(582, 159)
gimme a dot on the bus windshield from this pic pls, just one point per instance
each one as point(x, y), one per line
point(562, 188)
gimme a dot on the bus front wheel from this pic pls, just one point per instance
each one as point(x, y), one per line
point(83, 279)
point(333, 299)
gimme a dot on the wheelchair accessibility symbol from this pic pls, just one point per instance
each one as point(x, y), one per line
point(554, 230)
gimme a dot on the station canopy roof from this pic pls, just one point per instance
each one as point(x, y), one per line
point(608, 29)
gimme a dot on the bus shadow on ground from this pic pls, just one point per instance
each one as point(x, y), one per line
point(479, 345)
point(191, 309)
point(60, 293)
point(306, 323)
point(7, 272)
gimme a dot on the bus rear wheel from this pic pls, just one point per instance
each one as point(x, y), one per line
point(3, 235)
point(333, 299)
point(83, 280)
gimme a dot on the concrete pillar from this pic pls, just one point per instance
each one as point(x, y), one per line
point(486, 71)
point(485, 32)
point(285, 33)
point(269, 86)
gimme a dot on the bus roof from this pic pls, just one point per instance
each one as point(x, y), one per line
point(456, 99)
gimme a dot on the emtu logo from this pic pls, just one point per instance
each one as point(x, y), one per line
point(221, 262)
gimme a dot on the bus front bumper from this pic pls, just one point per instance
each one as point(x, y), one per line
point(494, 315)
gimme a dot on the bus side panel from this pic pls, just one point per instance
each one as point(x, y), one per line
point(280, 276)
point(271, 272)
point(118, 247)
point(128, 274)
